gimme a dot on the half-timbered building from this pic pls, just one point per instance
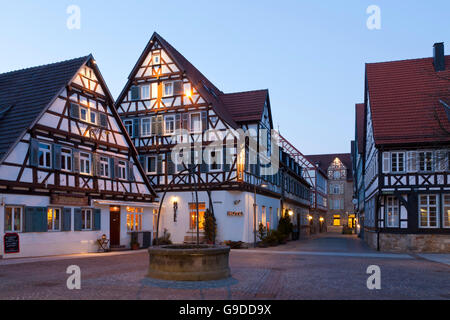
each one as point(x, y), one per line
point(165, 94)
point(69, 173)
point(407, 141)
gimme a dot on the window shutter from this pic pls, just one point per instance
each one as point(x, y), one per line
point(143, 163)
point(136, 130)
point(386, 162)
point(412, 161)
point(34, 151)
point(159, 164)
point(116, 168)
point(77, 224)
point(178, 88)
point(67, 219)
point(35, 219)
point(135, 93)
point(95, 164)
point(112, 168)
point(226, 166)
point(56, 157)
point(75, 111)
point(153, 126)
point(98, 167)
point(97, 219)
point(159, 122)
point(103, 120)
point(170, 165)
point(441, 160)
point(185, 121)
point(178, 123)
point(204, 121)
point(76, 160)
point(131, 171)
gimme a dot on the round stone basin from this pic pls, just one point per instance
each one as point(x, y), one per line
point(189, 262)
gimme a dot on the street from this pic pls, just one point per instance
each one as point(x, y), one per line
point(328, 267)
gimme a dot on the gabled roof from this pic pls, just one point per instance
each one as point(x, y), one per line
point(404, 101)
point(246, 106)
point(24, 94)
point(27, 93)
point(360, 122)
point(225, 105)
point(324, 161)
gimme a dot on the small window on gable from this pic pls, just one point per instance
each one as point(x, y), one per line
point(156, 58)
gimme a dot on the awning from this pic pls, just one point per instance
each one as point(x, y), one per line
point(154, 205)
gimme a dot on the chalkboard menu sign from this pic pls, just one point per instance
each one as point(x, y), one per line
point(11, 242)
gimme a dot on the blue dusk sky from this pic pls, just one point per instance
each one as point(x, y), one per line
point(309, 54)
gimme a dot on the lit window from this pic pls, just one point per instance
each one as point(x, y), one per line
point(45, 155)
point(446, 214)
point(146, 127)
point(169, 124)
point(336, 220)
point(428, 211)
point(85, 163)
point(13, 219)
point(392, 212)
point(86, 219)
point(54, 219)
point(168, 89)
point(66, 159)
point(196, 123)
point(134, 219)
point(193, 215)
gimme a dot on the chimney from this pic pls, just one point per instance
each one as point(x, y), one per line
point(438, 56)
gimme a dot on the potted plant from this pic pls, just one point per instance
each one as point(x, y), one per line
point(134, 245)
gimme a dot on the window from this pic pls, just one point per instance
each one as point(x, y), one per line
point(93, 117)
point(151, 164)
point(84, 114)
point(13, 219)
point(428, 211)
point(145, 92)
point(336, 175)
point(86, 219)
point(156, 58)
point(122, 170)
point(88, 115)
point(85, 163)
point(336, 204)
point(104, 167)
point(196, 123)
point(66, 159)
point(134, 219)
point(169, 124)
point(215, 161)
point(426, 161)
point(335, 188)
point(54, 219)
point(398, 161)
point(129, 126)
point(45, 155)
point(168, 89)
point(146, 127)
point(336, 220)
point(193, 215)
point(446, 207)
point(392, 212)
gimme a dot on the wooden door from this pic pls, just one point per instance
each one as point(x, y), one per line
point(114, 227)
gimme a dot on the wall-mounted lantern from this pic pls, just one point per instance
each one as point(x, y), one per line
point(175, 209)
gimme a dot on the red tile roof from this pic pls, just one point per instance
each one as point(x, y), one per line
point(324, 161)
point(246, 106)
point(360, 121)
point(404, 100)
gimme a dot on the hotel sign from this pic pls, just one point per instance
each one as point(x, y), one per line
point(235, 213)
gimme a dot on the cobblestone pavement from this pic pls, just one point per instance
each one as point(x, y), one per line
point(292, 271)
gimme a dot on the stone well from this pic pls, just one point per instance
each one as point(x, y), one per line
point(189, 262)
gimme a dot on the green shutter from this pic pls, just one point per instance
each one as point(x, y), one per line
point(97, 219)
point(226, 166)
point(204, 121)
point(159, 164)
point(67, 219)
point(178, 123)
point(178, 88)
point(143, 163)
point(153, 128)
point(135, 93)
point(112, 168)
point(136, 130)
point(28, 225)
point(103, 120)
point(35, 219)
point(34, 151)
point(159, 125)
point(170, 164)
point(185, 121)
point(56, 157)
point(131, 171)
point(116, 168)
point(77, 224)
